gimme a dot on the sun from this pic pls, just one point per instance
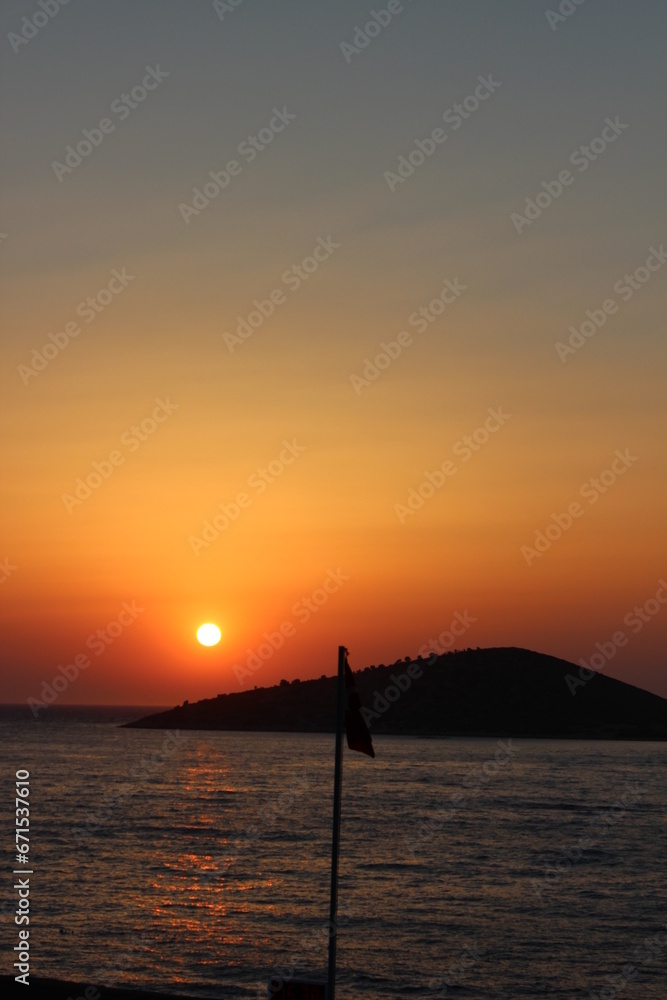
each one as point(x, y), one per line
point(209, 634)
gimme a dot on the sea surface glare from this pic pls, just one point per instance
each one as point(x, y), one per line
point(199, 863)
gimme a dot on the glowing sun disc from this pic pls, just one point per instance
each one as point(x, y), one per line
point(209, 634)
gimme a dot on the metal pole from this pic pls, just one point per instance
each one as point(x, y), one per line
point(338, 783)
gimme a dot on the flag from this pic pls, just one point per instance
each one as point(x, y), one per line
point(357, 732)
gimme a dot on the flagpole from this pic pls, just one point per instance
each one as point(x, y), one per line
point(338, 783)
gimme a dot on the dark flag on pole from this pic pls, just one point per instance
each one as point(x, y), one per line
point(348, 714)
point(357, 732)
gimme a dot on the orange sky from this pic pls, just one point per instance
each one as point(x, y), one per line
point(151, 391)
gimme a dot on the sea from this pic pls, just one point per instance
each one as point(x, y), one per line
point(198, 863)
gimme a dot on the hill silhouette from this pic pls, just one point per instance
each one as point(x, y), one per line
point(472, 692)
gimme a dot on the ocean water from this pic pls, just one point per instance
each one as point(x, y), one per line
point(198, 863)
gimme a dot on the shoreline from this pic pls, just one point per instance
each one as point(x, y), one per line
point(46, 988)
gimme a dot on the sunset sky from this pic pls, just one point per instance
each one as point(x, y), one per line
point(358, 182)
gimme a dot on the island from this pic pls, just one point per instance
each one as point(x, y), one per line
point(504, 691)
